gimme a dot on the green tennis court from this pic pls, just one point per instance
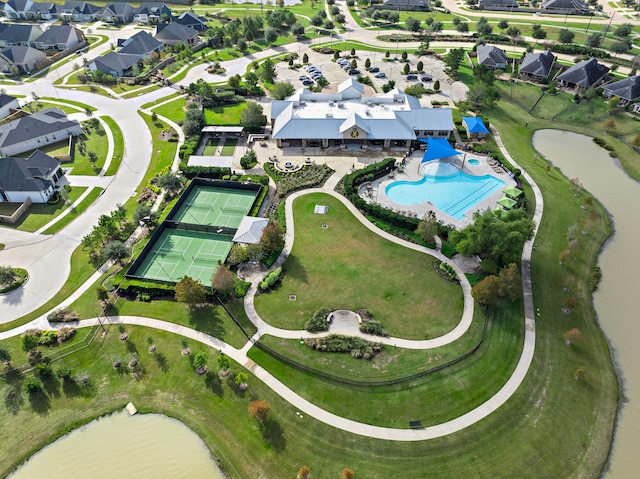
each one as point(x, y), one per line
point(179, 253)
point(214, 206)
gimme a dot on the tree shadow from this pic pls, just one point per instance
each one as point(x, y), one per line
point(51, 385)
point(14, 400)
point(40, 403)
point(70, 388)
point(206, 319)
point(273, 435)
point(213, 383)
point(131, 347)
point(231, 382)
point(296, 270)
point(161, 361)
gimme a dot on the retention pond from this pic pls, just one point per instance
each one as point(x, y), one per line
point(615, 300)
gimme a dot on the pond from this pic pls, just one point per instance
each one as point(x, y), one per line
point(119, 445)
point(615, 300)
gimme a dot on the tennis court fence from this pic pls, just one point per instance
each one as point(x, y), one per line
point(221, 230)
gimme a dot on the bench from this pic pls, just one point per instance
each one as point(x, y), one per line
point(415, 424)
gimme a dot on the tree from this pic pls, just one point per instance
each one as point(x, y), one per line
point(428, 227)
point(513, 32)
point(503, 25)
point(483, 27)
point(272, 238)
point(495, 236)
point(241, 380)
point(594, 40)
point(353, 52)
point(249, 160)
point(406, 69)
point(610, 125)
point(5, 356)
point(623, 30)
point(252, 117)
point(486, 291)
point(420, 66)
point(270, 35)
point(572, 336)
point(404, 56)
point(194, 119)
point(565, 36)
point(539, 33)
point(259, 410)
point(620, 47)
point(453, 59)
point(200, 362)
point(412, 24)
point(102, 294)
point(635, 143)
point(223, 362)
point(304, 473)
point(510, 282)
point(367, 63)
point(462, 27)
point(436, 85)
point(297, 29)
point(267, 71)
point(282, 90)
point(347, 473)
point(29, 342)
point(32, 386)
point(116, 251)
point(142, 214)
point(223, 281)
point(305, 58)
point(480, 94)
point(7, 275)
point(191, 292)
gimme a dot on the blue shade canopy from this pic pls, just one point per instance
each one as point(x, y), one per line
point(474, 124)
point(437, 148)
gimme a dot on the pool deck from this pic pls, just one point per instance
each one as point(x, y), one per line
point(375, 191)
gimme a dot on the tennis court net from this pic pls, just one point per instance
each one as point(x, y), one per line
point(169, 254)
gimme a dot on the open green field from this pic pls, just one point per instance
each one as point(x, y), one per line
point(224, 115)
point(173, 110)
point(345, 266)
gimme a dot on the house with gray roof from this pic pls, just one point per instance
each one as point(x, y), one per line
point(119, 12)
point(406, 4)
point(190, 19)
point(628, 90)
point(34, 131)
point(17, 9)
point(151, 12)
point(24, 59)
point(141, 44)
point(537, 66)
point(565, 7)
point(585, 74)
point(79, 12)
point(43, 11)
point(37, 177)
point(175, 33)
point(508, 5)
point(19, 35)
point(8, 104)
point(350, 120)
point(114, 64)
point(59, 38)
point(492, 57)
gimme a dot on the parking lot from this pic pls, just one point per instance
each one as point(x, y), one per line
point(335, 75)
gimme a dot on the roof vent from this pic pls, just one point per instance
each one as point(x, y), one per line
point(367, 112)
point(329, 115)
point(340, 105)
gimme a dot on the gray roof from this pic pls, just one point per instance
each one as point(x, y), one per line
point(20, 55)
point(174, 32)
point(190, 18)
point(538, 64)
point(499, 3)
point(6, 99)
point(490, 56)
point(83, 8)
point(26, 174)
point(57, 34)
point(115, 62)
point(351, 83)
point(250, 230)
point(119, 8)
point(627, 89)
point(18, 5)
point(45, 122)
point(577, 5)
point(43, 7)
point(142, 43)
point(19, 32)
point(150, 8)
point(585, 73)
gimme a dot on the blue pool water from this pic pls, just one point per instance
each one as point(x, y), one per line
point(446, 187)
point(474, 162)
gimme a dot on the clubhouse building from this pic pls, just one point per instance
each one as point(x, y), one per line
point(349, 120)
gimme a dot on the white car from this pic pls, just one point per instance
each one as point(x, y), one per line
point(380, 75)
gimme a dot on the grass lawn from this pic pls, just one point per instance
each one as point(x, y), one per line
point(223, 115)
point(69, 217)
point(140, 91)
point(39, 215)
point(345, 266)
point(95, 141)
point(79, 106)
point(42, 105)
point(174, 110)
point(211, 148)
point(229, 146)
point(152, 104)
point(60, 148)
point(118, 145)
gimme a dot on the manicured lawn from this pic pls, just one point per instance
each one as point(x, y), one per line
point(174, 110)
point(95, 141)
point(211, 148)
point(41, 105)
point(80, 106)
point(118, 147)
point(151, 104)
point(39, 215)
point(61, 148)
point(224, 115)
point(68, 218)
point(345, 266)
point(140, 91)
point(229, 146)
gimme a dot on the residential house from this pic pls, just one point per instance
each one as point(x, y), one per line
point(8, 104)
point(17, 9)
point(506, 5)
point(151, 12)
point(141, 44)
point(119, 12)
point(175, 33)
point(537, 66)
point(15, 60)
point(492, 57)
point(585, 74)
point(19, 35)
point(37, 177)
point(43, 11)
point(190, 19)
point(565, 7)
point(59, 38)
point(37, 130)
point(628, 90)
point(79, 12)
point(114, 64)
point(406, 4)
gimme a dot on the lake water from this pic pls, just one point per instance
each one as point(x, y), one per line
point(615, 300)
point(122, 446)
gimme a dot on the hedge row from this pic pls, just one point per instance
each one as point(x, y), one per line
point(270, 279)
point(318, 321)
point(573, 49)
point(336, 343)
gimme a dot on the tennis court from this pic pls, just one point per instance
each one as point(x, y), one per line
point(178, 253)
point(215, 206)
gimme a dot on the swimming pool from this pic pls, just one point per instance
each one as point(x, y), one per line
point(473, 162)
point(446, 187)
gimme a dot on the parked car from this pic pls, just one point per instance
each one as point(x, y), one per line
point(426, 78)
point(342, 61)
point(303, 77)
point(381, 75)
point(309, 67)
point(354, 71)
point(316, 76)
point(346, 67)
point(412, 77)
point(307, 82)
point(374, 70)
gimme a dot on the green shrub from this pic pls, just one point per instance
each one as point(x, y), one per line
point(64, 372)
point(48, 338)
point(241, 288)
point(43, 370)
point(448, 249)
point(32, 385)
point(63, 315)
point(66, 333)
point(271, 279)
point(336, 343)
point(318, 321)
point(373, 327)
